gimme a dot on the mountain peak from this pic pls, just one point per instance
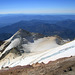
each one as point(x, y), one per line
point(23, 31)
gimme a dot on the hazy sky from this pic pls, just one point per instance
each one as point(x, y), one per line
point(37, 6)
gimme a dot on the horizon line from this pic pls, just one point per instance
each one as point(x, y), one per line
point(39, 13)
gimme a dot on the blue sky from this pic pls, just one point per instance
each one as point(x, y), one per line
point(37, 6)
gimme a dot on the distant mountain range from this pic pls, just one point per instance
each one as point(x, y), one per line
point(13, 18)
point(70, 24)
point(64, 29)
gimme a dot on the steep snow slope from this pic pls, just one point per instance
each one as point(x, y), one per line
point(27, 42)
point(65, 50)
point(20, 38)
point(27, 48)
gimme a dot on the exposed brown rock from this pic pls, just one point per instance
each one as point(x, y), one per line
point(63, 66)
